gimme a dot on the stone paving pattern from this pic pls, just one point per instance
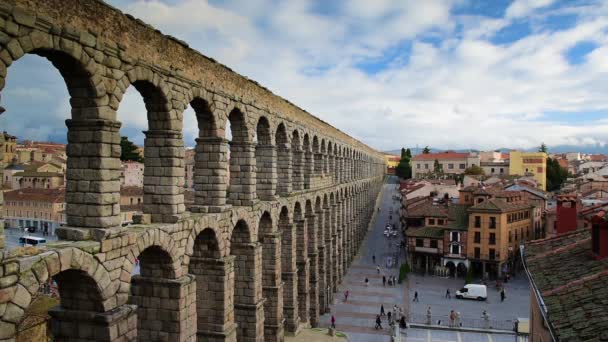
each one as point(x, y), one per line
point(260, 252)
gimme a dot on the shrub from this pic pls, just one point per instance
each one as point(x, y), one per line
point(403, 271)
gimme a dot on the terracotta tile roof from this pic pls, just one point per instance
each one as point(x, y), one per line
point(563, 163)
point(131, 191)
point(572, 285)
point(498, 206)
point(458, 217)
point(504, 156)
point(440, 156)
point(598, 157)
point(36, 195)
point(428, 210)
point(427, 232)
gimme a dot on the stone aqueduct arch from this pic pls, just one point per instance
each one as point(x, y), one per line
point(254, 257)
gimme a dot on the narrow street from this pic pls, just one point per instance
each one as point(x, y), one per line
point(357, 316)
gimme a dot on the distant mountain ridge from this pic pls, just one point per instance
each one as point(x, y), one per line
point(596, 149)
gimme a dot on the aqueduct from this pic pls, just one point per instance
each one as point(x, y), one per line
point(260, 251)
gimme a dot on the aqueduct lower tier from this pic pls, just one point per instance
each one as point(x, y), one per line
point(259, 252)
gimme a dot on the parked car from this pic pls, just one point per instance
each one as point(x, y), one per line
point(473, 291)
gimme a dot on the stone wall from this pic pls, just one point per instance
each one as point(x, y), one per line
point(256, 256)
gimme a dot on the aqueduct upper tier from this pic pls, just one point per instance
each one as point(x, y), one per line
point(279, 210)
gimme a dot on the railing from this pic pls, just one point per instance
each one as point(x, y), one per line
point(464, 322)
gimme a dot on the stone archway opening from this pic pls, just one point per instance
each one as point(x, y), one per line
point(205, 159)
point(265, 162)
point(284, 162)
point(241, 166)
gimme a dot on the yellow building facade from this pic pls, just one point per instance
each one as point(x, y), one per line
point(391, 162)
point(529, 164)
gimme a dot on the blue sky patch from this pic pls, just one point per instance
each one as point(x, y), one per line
point(577, 53)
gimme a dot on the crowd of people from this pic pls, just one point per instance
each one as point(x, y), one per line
point(397, 316)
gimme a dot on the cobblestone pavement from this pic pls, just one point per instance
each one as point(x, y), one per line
point(432, 290)
point(428, 335)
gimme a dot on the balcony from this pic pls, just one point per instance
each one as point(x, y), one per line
point(426, 250)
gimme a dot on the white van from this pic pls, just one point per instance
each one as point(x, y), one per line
point(473, 291)
point(28, 240)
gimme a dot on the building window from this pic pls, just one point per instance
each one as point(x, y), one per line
point(477, 221)
point(492, 170)
point(477, 237)
point(426, 166)
point(510, 237)
point(492, 222)
point(479, 200)
point(477, 253)
point(492, 239)
point(492, 254)
point(418, 166)
point(450, 166)
point(462, 166)
point(431, 221)
point(455, 249)
point(501, 170)
point(419, 243)
point(455, 237)
point(466, 198)
point(440, 222)
point(433, 243)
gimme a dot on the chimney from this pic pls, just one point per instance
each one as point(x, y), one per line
point(599, 236)
point(567, 213)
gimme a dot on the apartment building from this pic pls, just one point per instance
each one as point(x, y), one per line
point(529, 164)
point(38, 208)
point(451, 162)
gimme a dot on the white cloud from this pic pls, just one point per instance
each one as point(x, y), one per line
point(520, 8)
point(452, 87)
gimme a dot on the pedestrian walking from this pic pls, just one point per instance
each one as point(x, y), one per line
point(346, 293)
point(389, 317)
point(402, 323)
point(382, 310)
point(428, 315)
point(457, 322)
point(378, 322)
point(394, 281)
point(383, 281)
point(378, 269)
point(366, 282)
point(447, 294)
point(401, 312)
point(333, 321)
point(416, 296)
point(502, 295)
point(374, 258)
point(452, 318)
point(486, 319)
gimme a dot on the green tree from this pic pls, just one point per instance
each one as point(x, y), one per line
point(543, 148)
point(556, 175)
point(474, 170)
point(404, 169)
point(408, 153)
point(426, 150)
point(437, 168)
point(128, 150)
point(402, 152)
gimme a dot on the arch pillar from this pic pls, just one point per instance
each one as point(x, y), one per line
point(309, 167)
point(210, 174)
point(324, 271)
point(298, 169)
point(93, 176)
point(119, 324)
point(313, 259)
point(303, 268)
point(289, 274)
point(248, 300)
point(284, 162)
point(342, 170)
point(336, 252)
point(214, 298)
point(242, 188)
point(164, 175)
point(166, 308)
point(266, 172)
point(319, 165)
point(272, 287)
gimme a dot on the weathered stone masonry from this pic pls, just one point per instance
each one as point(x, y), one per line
point(257, 256)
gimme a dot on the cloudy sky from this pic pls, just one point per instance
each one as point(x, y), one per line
point(445, 73)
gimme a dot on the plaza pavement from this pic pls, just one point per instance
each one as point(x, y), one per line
point(356, 317)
